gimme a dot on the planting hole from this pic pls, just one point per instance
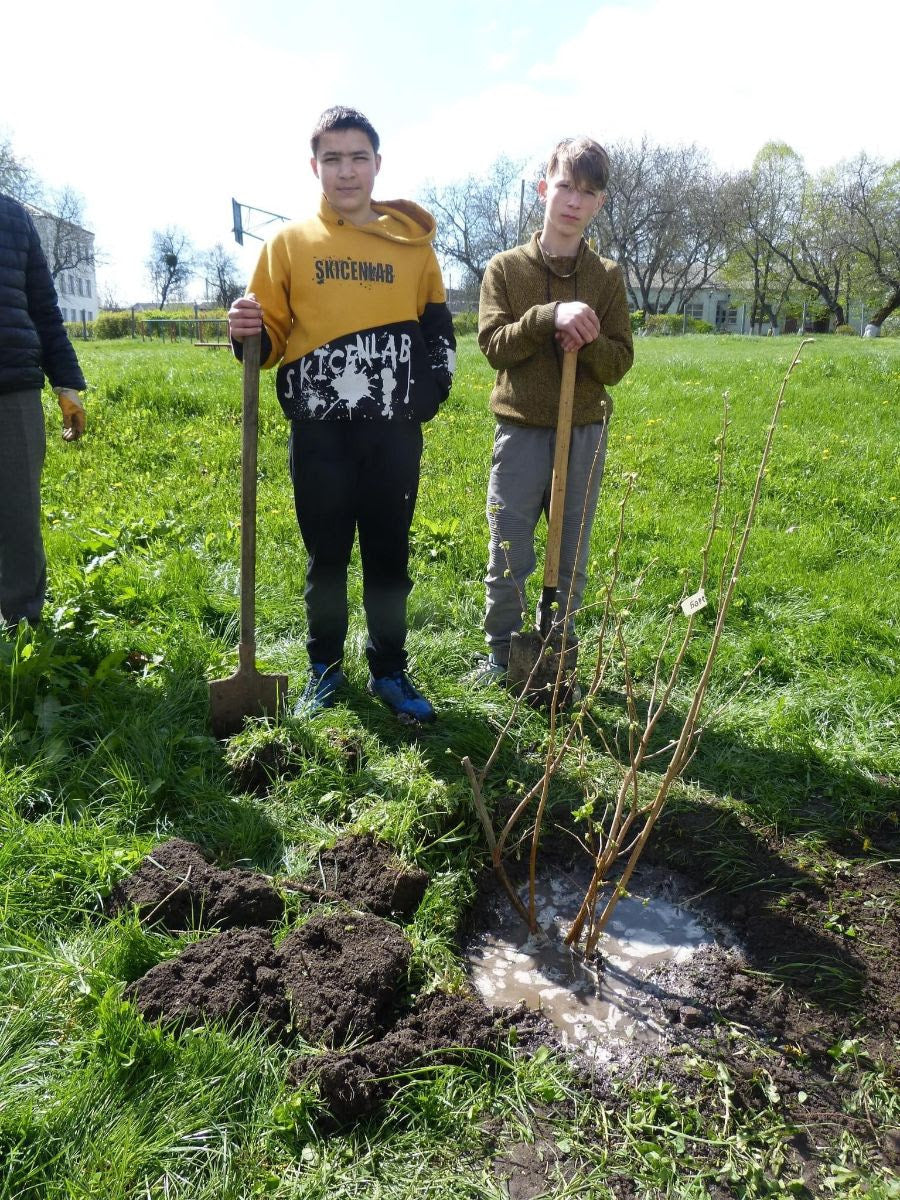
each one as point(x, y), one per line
point(594, 1005)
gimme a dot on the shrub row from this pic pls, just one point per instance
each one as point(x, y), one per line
point(465, 322)
point(671, 324)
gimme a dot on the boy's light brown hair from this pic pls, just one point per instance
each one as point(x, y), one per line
point(584, 159)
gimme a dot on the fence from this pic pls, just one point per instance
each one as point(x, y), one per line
point(207, 330)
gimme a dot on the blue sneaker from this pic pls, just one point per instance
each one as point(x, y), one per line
point(320, 691)
point(406, 701)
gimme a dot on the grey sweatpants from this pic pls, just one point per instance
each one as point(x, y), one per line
point(518, 492)
point(23, 568)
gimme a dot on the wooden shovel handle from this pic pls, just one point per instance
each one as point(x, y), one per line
point(560, 470)
point(249, 435)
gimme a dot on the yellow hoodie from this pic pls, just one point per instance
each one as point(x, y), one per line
point(357, 316)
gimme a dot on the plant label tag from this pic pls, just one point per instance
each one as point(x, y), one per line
point(693, 604)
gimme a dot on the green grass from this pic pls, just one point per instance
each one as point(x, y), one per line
point(105, 749)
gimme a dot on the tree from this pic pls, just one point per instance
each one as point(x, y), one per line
point(16, 177)
point(871, 197)
point(664, 221)
point(220, 272)
point(171, 264)
point(108, 300)
point(477, 218)
point(65, 243)
point(812, 239)
point(759, 203)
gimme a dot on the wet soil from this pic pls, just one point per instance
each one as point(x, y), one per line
point(801, 1009)
point(176, 886)
point(822, 946)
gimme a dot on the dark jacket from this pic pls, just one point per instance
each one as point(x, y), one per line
point(33, 339)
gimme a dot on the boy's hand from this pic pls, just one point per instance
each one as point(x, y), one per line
point(245, 318)
point(576, 324)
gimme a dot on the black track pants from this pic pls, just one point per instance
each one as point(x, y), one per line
point(350, 477)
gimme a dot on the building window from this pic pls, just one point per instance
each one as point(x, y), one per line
point(87, 284)
point(695, 310)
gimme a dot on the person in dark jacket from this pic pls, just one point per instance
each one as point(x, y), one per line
point(33, 343)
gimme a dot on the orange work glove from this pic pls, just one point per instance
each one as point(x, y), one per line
point(72, 413)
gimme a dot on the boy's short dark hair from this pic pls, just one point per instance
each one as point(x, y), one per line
point(585, 160)
point(340, 117)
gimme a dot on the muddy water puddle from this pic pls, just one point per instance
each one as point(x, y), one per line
point(593, 1005)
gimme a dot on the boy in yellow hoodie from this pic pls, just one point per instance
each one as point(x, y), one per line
point(351, 304)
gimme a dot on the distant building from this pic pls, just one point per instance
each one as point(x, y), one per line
point(69, 250)
point(710, 302)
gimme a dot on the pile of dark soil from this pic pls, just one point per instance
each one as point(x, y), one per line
point(335, 977)
point(176, 886)
point(342, 976)
point(353, 1083)
point(366, 873)
point(234, 977)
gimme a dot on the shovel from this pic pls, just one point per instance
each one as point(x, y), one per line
point(247, 693)
point(534, 657)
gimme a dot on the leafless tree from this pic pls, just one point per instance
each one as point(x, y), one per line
point(871, 197)
point(108, 300)
point(67, 245)
point(477, 218)
point(170, 266)
point(17, 179)
point(664, 222)
point(220, 272)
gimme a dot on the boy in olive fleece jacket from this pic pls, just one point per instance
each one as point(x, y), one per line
point(538, 300)
point(352, 305)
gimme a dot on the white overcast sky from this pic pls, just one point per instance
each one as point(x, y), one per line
point(158, 114)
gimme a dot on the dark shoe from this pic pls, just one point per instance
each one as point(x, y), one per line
point(320, 691)
point(406, 701)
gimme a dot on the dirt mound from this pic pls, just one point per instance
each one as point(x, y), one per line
point(178, 887)
point(334, 978)
point(343, 974)
point(365, 872)
point(233, 977)
point(352, 1084)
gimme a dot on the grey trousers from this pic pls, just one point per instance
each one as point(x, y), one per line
point(518, 492)
point(23, 568)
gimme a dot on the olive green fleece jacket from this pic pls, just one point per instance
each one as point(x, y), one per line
point(516, 333)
